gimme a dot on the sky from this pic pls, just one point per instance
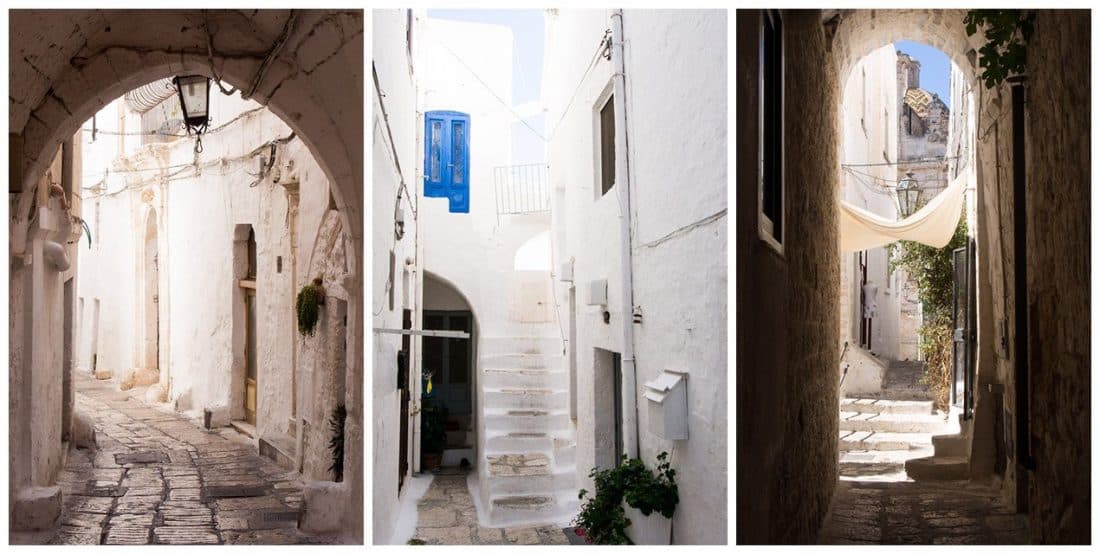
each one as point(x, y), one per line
point(935, 68)
point(528, 31)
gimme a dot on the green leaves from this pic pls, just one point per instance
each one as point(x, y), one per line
point(308, 307)
point(602, 516)
point(1004, 53)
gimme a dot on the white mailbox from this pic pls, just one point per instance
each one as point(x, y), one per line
point(597, 292)
point(566, 273)
point(666, 398)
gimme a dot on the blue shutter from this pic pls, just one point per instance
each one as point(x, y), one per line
point(447, 158)
point(434, 154)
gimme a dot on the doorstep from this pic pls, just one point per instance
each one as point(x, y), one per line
point(244, 428)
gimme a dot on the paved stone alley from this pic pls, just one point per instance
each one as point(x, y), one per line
point(447, 515)
point(944, 512)
point(158, 478)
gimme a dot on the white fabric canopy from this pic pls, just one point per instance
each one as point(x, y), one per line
point(934, 224)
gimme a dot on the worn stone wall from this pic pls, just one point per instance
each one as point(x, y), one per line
point(1058, 193)
point(786, 322)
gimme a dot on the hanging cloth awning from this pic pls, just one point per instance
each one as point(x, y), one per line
point(934, 224)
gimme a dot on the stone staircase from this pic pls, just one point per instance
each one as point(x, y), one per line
point(528, 474)
point(880, 433)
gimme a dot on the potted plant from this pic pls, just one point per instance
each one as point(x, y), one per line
point(433, 437)
point(308, 307)
point(627, 494)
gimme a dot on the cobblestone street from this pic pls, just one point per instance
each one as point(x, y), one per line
point(158, 478)
point(947, 512)
point(447, 515)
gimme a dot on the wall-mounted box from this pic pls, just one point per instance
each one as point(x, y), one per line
point(566, 273)
point(597, 292)
point(666, 400)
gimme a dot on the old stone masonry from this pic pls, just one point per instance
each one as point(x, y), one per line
point(157, 478)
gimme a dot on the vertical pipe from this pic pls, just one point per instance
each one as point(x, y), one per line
point(622, 176)
point(1019, 214)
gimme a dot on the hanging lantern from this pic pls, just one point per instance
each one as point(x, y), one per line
point(909, 195)
point(194, 94)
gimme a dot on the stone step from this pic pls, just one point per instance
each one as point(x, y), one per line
point(502, 443)
point(280, 449)
point(867, 440)
point(526, 473)
point(526, 398)
point(491, 346)
point(880, 405)
point(951, 445)
point(523, 378)
point(883, 464)
point(523, 421)
point(565, 452)
point(938, 468)
point(520, 361)
point(532, 510)
point(892, 423)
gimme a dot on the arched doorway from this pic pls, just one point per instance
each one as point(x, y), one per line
point(451, 366)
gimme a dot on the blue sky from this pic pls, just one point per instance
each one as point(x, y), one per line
point(935, 68)
point(528, 30)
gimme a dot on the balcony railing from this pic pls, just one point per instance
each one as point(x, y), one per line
point(521, 189)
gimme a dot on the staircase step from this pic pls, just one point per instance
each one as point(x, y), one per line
point(525, 420)
point(501, 443)
point(892, 423)
point(880, 464)
point(866, 440)
point(531, 510)
point(951, 445)
point(523, 378)
point(519, 464)
point(280, 449)
point(880, 405)
point(520, 361)
point(526, 398)
point(938, 468)
point(490, 346)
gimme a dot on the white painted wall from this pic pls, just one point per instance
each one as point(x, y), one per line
point(677, 136)
point(869, 127)
point(398, 74)
point(197, 212)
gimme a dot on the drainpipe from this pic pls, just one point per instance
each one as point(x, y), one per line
point(622, 174)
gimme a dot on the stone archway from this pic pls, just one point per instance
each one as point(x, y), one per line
point(303, 65)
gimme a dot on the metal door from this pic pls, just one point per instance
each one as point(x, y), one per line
point(450, 361)
point(963, 321)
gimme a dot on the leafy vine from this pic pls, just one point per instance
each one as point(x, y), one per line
point(1006, 33)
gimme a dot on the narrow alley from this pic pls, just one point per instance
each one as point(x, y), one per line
point(156, 477)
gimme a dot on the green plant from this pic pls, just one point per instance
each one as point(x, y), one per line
point(416, 542)
point(602, 516)
point(308, 307)
point(1004, 53)
point(433, 436)
point(336, 443)
point(932, 271)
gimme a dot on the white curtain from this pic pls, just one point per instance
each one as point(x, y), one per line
point(934, 224)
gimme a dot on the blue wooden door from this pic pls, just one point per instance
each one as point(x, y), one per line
point(447, 157)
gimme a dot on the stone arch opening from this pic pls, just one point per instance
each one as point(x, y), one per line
point(452, 364)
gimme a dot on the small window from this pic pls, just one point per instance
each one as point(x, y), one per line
point(607, 145)
point(771, 127)
point(251, 254)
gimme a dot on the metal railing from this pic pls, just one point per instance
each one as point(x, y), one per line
point(521, 189)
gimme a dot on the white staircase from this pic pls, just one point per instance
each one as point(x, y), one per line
point(881, 432)
point(527, 473)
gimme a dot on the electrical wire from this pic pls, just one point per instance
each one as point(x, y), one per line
point(591, 63)
point(903, 162)
point(488, 88)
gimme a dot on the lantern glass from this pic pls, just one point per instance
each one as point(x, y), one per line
point(194, 94)
point(908, 195)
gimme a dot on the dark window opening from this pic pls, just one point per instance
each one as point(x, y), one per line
point(251, 254)
point(771, 178)
point(607, 145)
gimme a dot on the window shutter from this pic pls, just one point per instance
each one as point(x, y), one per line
point(434, 153)
point(459, 193)
point(447, 158)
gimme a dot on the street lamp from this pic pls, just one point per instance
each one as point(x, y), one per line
point(194, 94)
point(908, 195)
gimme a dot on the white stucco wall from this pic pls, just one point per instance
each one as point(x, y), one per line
point(677, 136)
point(397, 75)
point(197, 215)
point(869, 127)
